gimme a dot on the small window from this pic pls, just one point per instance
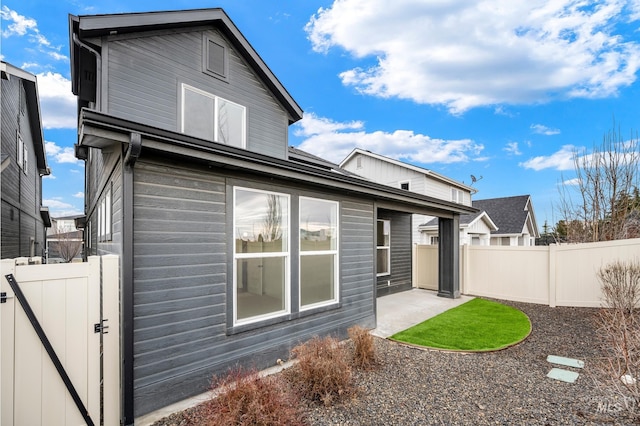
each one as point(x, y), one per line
point(404, 185)
point(25, 159)
point(105, 218)
point(19, 151)
point(456, 196)
point(383, 247)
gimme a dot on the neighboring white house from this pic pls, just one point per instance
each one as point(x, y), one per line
point(475, 229)
point(388, 171)
point(511, 221)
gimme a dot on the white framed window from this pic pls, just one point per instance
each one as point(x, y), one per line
point(211, 117)
point(405, 185)
point(105, 218)
point(261, 255)
point(457, 196)
point(20, 151)
point(318, 220)
point(383, 247)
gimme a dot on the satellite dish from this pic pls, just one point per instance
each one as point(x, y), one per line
point(475, 179)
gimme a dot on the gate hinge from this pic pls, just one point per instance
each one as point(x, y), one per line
point(4, 297)
point(100, 327)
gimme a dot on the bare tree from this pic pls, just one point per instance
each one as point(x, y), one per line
point(273, 220)
point(597, 204)
point(65, 244)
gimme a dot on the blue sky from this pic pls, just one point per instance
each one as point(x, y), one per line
point(503, 90)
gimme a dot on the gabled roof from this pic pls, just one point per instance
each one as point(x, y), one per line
point(466, 220)
point(89, 26)
point(510, 214)
point(398, 163)
point(30, 84)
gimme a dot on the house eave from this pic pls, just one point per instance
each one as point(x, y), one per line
point(99, 130)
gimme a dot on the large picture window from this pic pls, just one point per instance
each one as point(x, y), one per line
point(383, 247)
point(261, 255)
point(318, 252)
point(211, 117)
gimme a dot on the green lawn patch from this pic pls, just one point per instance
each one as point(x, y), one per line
point(477, 325)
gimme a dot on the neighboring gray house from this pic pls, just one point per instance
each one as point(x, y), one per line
point(24, 219)
point(233, 247)
point(510, 220)
point(398, 174)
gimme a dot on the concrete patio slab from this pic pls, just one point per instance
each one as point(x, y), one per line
point(399, 311)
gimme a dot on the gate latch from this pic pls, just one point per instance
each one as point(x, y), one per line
point(100, 327)
point(4, 297)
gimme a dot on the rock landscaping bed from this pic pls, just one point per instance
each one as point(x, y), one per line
point(414, 386)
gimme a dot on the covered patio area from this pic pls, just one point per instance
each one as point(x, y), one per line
point(399, 311)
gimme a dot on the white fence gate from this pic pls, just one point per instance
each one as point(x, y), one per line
point(65, 301)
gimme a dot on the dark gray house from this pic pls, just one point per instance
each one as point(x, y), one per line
point(24, 219)
point(233, 248)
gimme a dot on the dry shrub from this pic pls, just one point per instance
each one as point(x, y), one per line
point(619, 329)
point(322, 373)
point(247, 399)
point(364, 354)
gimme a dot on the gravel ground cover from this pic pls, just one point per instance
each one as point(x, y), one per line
point(415, 386)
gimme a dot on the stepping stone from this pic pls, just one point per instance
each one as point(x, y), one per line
point(569, 362)
point(563, 375)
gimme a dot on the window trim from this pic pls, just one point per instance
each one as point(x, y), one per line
point(216, 99)
point(237, 256)
point(387, 248)
point(405, 182)
point(335, 252)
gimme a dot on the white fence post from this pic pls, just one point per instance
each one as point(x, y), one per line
point(552, 274)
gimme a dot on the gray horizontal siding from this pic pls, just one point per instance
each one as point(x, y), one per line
point(401, 256)
point(181, 280)
point(144, 76)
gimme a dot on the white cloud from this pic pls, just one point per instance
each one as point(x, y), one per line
point(463, 54)
point(51, 176)
point(79, 195)
point(59, 208)
point(19, 24)
point(560, 160)
point(57, 102)
point(512, 148)
point(60, 154)
point(572, 182)
point(334, 141)
point(23, 26)
point(544, 130)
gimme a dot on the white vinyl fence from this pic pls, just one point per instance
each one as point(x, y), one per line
point(556, 275)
